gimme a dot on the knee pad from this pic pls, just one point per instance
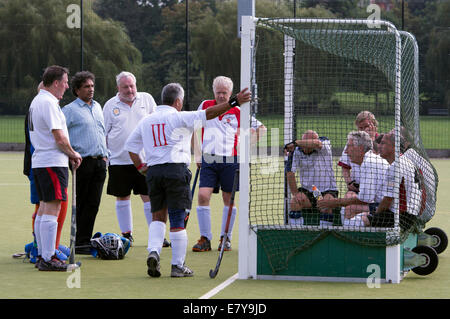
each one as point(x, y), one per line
point(176, 218)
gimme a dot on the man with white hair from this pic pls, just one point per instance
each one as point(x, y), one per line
point(220, 140)
point(122, 113)
point(370, 179)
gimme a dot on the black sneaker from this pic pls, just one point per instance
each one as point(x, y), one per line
point(128, 236)
point(181, 271)
point(38, 260)
point(153, 267)
point(166, 243)
point(54, 264)
point(203, 244)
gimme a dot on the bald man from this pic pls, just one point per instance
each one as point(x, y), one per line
point(311, 157)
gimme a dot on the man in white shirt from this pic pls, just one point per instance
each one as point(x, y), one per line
point(122, 113)
point(50, 159)
point(220, 140)
point(365, 121)
point(409, 191)
point(165, 136)
point(312, 159)
point(370, 179)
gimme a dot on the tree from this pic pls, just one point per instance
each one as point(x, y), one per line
point(46, 38)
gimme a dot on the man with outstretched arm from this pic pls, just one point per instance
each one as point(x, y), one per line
point(165, 136)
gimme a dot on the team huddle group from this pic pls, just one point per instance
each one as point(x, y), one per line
point(369, 168)
point(145, 149)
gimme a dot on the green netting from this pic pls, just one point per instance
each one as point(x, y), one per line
point(319, 75)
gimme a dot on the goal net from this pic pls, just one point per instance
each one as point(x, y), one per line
point(316, 81)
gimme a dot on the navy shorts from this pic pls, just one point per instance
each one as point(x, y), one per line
point(219, 171)
point(170, 186)
point(51, 183)
point(125, 178)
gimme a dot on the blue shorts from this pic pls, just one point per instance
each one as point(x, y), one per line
point(220, 172)
point(34, 198)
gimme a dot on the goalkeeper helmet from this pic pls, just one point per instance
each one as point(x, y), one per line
point(110, 246)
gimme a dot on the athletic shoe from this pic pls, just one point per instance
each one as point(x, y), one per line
point(203, 244)
point(181, 271)
point(153, 267)
point(166, 243)
point(128, 236)
point(54, 264)
point(38, 260)
point(227, 246)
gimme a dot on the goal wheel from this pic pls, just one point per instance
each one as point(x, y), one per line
point(440, 236)
point(431, 263)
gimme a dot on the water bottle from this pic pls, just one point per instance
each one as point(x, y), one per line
point(316, 193)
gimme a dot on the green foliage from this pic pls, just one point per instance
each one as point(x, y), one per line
point(46, 39)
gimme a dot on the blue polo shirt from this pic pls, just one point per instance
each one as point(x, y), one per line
point(86, 128)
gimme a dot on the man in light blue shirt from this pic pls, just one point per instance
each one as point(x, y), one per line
point(85, 123)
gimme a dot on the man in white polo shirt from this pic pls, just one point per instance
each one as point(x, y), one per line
point(312, 159)
point(50, 159)
point(165, 136)
point(370, 179)
point(409, 191)
point(122, 113)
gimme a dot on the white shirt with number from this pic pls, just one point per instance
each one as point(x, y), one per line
point(315, 168)
point(165, 135)
point(45, 116)
point(370, 178)
point(408, 192)
point(121, 120)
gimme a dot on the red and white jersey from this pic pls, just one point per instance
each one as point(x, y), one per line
point(220, 136)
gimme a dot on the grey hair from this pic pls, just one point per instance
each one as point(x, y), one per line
point(361, 138)
point(124, 74)
point(171, 92)
point(366, 115)
point(222, 80)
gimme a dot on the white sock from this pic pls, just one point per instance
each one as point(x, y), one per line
point(49, 226)
point(124, 215)
point(37, 233)
point(148, 212)
point(156, 233)
point(204, 221)
point(179, 242)
point(224, 220)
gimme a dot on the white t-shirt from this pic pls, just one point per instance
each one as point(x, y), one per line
point(315, 168)
point(409, 193)
point(427, 171)
point(45, 116)
point(120, 121)
point(371, 177)
point(220, 135)
point(165, 135)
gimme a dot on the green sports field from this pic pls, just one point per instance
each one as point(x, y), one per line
point(128, 278)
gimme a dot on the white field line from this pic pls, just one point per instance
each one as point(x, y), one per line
point(220, 287)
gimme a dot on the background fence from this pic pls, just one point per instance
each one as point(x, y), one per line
point(189, 42)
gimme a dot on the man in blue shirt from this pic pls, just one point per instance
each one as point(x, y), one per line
point(85, 123)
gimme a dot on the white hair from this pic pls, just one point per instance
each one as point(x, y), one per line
point(222, 80)
point(361, 138)
point(125, 74)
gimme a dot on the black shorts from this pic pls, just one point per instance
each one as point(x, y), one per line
point(51, 183)
point(381, 219)
point(169, 186)
point(311, 197)
point(125, 178)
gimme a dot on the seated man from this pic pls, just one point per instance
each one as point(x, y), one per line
point(409, 191)
point(370, 177)
point(365, 121)
point(312, 158)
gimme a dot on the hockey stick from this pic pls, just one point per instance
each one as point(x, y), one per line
point(213, 273)
point(188, 211)
point(73, 226)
